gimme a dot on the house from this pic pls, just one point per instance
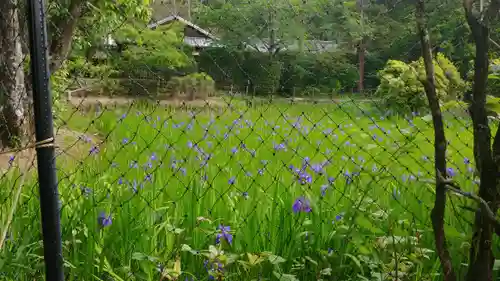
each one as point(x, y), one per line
point(194, 36)
point(199, 38)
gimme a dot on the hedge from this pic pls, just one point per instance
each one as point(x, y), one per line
point(285, 73)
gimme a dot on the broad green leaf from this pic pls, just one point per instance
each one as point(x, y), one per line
point(186, 248)
point(274, 259)
point(496, 265)
point(311, 260)
point(367, 224)
point(254, 259)
point(356, 261)
point(364, 250)
point(284, 277)
point(427, 118)
point(139, 256)
point(326, 271)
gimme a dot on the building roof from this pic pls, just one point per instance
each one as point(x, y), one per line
point(316, 46)
point(172, 18)
point(312, 46)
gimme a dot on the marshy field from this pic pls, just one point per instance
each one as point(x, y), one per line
point(275, 191)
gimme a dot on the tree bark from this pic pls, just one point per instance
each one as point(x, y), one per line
point(13, 119)
point(64, 28)
point(437, 213)
point(481, 255)
point(361, 60)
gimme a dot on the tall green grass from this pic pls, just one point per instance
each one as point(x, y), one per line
point(168, 179)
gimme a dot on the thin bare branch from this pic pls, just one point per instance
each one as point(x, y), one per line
point(456, 189)
point(494, 43)
point(437, 214)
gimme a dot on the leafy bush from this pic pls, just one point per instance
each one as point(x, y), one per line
point(326, 72)
point(265, 75)
point(493, 87)
point(461, 108)
point(162, 47)
point(287, 73)
point(193, 86)
point(401, 88)
point(142, 53)
point(103, 71)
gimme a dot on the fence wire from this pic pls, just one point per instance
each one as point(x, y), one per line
point(187, 153)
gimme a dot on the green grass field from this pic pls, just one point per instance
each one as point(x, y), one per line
point(274, 192)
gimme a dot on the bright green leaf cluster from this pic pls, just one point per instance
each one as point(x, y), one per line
point(162, 46)
point(401, 88)
point(194, 86)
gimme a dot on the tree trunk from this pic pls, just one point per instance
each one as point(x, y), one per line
point(438, 211)
point(481, 255)
point(13, 97)
point(61, 39)
point(361, 60)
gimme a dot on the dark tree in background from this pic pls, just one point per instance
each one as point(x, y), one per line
point(13, 95)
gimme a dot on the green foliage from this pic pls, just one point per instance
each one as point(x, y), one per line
point(249, 22)
point(265, 75)
point(325, 72)
point(193, 86)
point(493, 86)
point(101, 19)
point(159, 52)
point(401, 88)
point(60, 85)
point(80, 67)
point(165, 223)
point(288, 73)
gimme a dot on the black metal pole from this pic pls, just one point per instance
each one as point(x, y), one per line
point(47, 177)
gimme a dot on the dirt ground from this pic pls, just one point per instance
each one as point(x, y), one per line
point(110, 101)
point(70, 146)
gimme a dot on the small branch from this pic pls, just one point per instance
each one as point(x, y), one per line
point(484, 205)
point(494, 43)
point(455, 188)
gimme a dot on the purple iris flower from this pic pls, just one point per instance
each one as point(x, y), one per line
point(317, 168)
point(301, 204)
point(94, 150)
point(331, 180)
point(323, 189)
point(451, 172)
point(224, 233)
point(304, 178)
point(103, 220)
point(11, 159)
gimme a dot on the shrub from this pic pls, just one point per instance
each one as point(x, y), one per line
point(285, 73)
point(103, 72)
point(193, 86)
point(402, 91)
point(327, 72)
point(266, 75)
point(493, 87)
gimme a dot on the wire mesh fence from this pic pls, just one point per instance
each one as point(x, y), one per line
point(233, 141)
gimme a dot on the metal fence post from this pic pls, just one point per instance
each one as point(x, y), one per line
point(44, 132)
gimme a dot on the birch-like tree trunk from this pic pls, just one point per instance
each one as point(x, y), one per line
point(13, 97)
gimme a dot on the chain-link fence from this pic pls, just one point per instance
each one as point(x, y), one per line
point(234, 140)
